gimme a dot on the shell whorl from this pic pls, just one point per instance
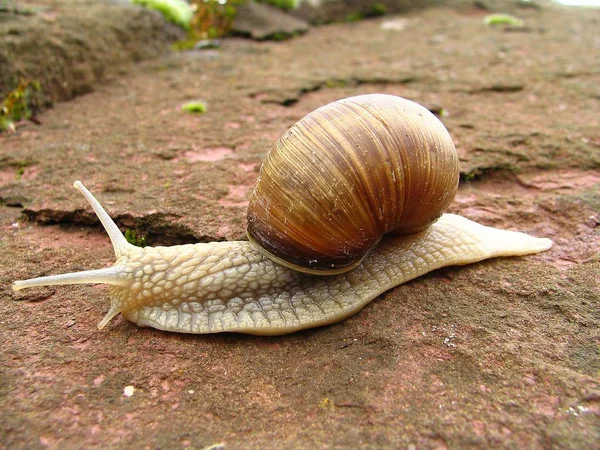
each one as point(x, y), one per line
point(345, 175)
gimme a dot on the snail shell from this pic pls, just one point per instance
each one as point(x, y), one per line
point(345, 175)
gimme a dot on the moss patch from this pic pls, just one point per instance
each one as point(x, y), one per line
point(22, 103)
point(194, 107)
point(175, 11)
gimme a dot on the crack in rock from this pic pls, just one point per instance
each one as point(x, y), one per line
point(290, 96)
point(157, 228)
point(500, 87)
point(481, 173)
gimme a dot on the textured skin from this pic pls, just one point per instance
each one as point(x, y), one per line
point(230, 286)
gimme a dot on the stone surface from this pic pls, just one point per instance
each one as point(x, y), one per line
point(71, 46)
point(326, 11)
point(262, 21)
point(500, 354)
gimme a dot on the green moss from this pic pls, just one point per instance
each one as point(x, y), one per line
point(5, 8)
point(135, 238)
point(175, 11)
point(336, 83)
point(502, 19)
point(373, 10)
point(211, 19)
point(283, 4)
point(195, 107)
point(21, 103)
point(470, 176)
point(481, 173)
point(377, 9)
point(354, 17)
point(281, 36)
point(186, 44)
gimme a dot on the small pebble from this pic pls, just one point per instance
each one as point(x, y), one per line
point(128, 391)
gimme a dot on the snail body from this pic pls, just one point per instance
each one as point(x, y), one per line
point(236, 286)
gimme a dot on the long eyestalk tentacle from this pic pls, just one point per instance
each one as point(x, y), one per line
point(119, 242)
point(108, 275)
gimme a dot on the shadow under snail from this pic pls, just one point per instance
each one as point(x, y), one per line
point(348, 204)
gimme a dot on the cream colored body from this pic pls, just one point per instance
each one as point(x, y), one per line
point(231, 286)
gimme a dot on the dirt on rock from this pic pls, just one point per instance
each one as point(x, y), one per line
point(503, 353)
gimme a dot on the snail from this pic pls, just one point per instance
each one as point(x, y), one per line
point(349, 203)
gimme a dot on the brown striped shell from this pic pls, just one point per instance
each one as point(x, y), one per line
point(346, 174)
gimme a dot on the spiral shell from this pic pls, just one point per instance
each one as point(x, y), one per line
point(346, 174)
